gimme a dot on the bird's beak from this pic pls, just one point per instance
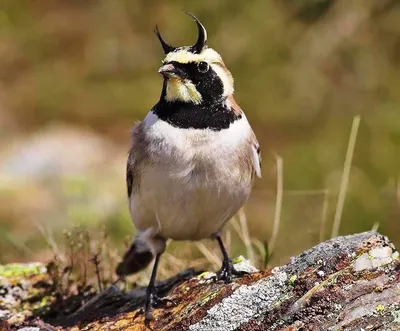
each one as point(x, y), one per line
point(169, 70)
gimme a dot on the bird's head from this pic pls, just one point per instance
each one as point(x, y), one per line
point(194, 74)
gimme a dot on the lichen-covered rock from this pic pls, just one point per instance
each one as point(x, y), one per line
point(23, 288)
point(347, 283)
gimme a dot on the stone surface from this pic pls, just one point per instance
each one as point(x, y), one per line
point(347, 283)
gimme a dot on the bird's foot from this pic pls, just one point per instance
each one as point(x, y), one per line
point(228, 271)
point(153, 301)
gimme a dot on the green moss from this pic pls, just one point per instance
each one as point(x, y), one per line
point(21, 270)
point(207, 298)
point(239, 259)
point(292, 280)
point(42, 302)
point(283, 298)
point(203, 274)
point(45, 301)
point(380, 308)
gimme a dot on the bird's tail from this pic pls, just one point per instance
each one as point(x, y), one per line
point(135, 259)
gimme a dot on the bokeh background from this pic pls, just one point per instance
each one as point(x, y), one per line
point(76, 75)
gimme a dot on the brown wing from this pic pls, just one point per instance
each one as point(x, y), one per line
point(136, 159)
point(129, 173)
point(255, 153)
point(138, 255)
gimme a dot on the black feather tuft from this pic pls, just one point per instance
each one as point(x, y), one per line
point(135, 259)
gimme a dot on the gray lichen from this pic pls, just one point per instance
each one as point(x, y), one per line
point(247, 303)
point(347, 283)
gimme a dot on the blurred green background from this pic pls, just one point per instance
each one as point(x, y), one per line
point(76, 75)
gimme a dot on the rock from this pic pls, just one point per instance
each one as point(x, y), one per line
point(23, 288)
point(347, 283)
point(5, 314)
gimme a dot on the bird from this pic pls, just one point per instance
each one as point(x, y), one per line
point(192, 162)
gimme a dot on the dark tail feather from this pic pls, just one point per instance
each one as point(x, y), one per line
point(135, 259)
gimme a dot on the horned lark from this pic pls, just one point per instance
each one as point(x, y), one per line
point(192, 161)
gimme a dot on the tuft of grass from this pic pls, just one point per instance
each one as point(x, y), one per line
point(83, 261)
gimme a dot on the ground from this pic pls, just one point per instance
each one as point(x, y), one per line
point(347, 283)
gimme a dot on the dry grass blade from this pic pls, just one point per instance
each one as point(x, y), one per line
point(278, 204)
point(22, 248)
point(208, 254)
point(236, 227)
point(228, 240)
point(345, 176)
point(305, 192)
point(49, 237)
point(375, 227)
point(180, 263)
point(324, 215)
point(260, 247)
point(246, 235)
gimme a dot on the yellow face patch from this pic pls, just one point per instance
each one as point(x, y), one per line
point(182, 90)
point(183, 56)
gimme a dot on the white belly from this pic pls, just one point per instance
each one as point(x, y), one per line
point(189, 208)
point(194, 182)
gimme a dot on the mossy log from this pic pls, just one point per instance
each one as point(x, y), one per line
point(347, 283)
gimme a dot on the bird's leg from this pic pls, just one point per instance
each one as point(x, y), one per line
point(152, 299)
point(228, 270)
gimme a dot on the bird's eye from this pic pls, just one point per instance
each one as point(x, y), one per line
point(203, 67)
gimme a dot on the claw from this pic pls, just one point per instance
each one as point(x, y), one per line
point(148, 316)
point(228, 271)
point(153, 301)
